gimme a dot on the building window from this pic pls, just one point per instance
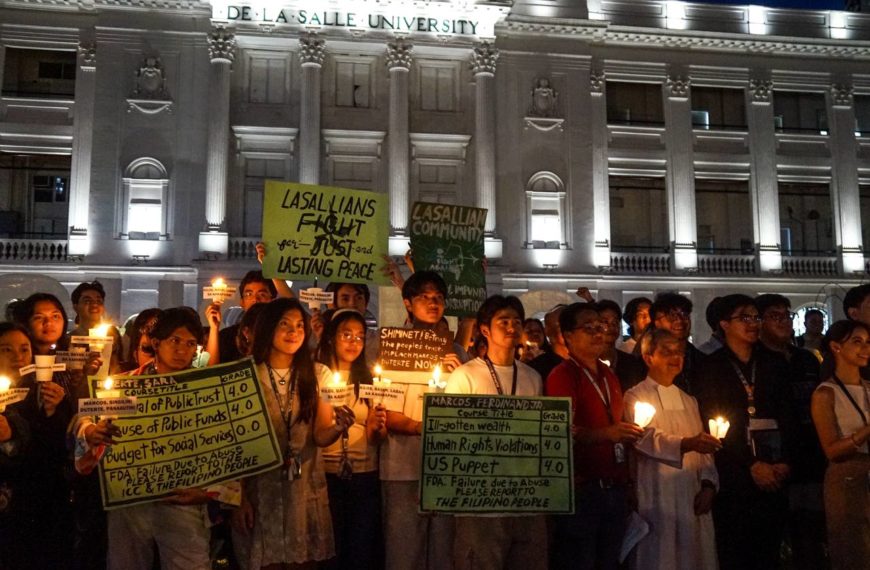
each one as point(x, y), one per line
point(638, 214)
point(437, 86)
point(257, 171)
point(800, 112)
point(353, 174)
point(545, 201)
point(353, 80)
point(806, 222)
point(34, 199)
point(634, 103)
point(864, 197)
point(437, 183)
point(723, 226)
point(39, 73)
point(267, 79)
point(146, 196)
point(862, 115)
point(718, 108)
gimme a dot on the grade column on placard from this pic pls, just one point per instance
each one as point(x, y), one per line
point(230, 391)
point(554, 439)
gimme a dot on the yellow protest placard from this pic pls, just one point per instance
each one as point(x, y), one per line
point(192, 429)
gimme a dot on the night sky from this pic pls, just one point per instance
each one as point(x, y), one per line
point(806, 4)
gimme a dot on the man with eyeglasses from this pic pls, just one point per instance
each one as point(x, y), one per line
point(89, 303)
point(253, 289)
point(592, 536)
point(630, 369)
point(673, 312)
point(807, 517)
point(747, 385)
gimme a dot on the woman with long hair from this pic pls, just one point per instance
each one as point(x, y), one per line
point(284, 517)
point(841, 413)
point(352, 462)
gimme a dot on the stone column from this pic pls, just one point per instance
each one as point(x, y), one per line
point(483, 60)
point(311, 54)
point(82, 150)
point(680, 176)
point(845, 197)
point(398, 65)
point(600, 174)
point(763, 187)
point(221, 51)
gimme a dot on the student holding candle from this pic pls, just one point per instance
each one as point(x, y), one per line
point(414, 541)
point(676, 476)
point(354, 496)
point(284, 517)
point(89, 303)
point(19, 537)
point(496, 542)
point(841, 413)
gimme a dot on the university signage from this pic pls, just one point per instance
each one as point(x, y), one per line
point(398, 16)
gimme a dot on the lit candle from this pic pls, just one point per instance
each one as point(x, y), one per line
point(378, 372)
point(435, 384)
point(108, 390)
point(102, 343)
point(719, 427)
point(643, 414)
point(219, 284)
point(336, 380)
point(335, 391)
point(5, 384)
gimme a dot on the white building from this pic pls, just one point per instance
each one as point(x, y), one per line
point(630, 146)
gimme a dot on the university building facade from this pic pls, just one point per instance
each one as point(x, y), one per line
point(629, 146)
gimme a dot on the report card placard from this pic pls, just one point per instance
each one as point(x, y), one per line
point(496, 454)
point(191, 429)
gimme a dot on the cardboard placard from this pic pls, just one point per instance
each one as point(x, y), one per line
point(320, 232)
point(194, 429)
point(415, 350)
point(496, 454)
point(315, 297)
point(218, 294)
point(12, 396)
point(392, 396)
point(336, 395)
point(448, 239)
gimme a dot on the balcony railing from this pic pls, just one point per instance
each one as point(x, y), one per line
point(243, 247)
point(710, 264)
point(33, 250)
point(644, 263)
point(810, 266)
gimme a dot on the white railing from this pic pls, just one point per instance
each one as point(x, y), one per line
point(42, 250)
point(243, 247)
point(810, 266)
point(640, 262)
point(712, 264)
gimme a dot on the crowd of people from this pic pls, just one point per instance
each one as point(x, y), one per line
point(787, 484)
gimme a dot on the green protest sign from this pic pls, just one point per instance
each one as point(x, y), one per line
point(319, 232)
point(448, 239)
point(193, 429)
point(496, 454)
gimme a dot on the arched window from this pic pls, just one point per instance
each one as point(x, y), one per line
point(145, 208)
point(545, 204)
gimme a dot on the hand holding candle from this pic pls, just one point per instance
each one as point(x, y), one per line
point(643, 414)
point(719, 427)
point(336, 391)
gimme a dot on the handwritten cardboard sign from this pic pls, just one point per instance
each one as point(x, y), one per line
point(418, 350)
point(392, 396)
point(193, 429)
point(313, 232)
point(315, 296)
point(218, 294)
point(116, 407)
point(496, 454)
point(448, 239)
point(12, 396)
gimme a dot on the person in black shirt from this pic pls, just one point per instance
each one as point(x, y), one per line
point(630, 369)
point(557, 352)
point(253, 289)
point(747, 385)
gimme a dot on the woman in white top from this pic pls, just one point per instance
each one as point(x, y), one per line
point(351, 463)
point(841, 412)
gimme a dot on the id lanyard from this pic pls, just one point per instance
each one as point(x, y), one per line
point(852, 400)
point(749, 387)
point(286, 415)
point(605, 399)
point(497, 382)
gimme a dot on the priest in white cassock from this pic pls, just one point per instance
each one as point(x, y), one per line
point(676, 477)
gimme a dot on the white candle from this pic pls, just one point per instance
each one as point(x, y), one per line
point(719, 427)
point(5, 384)
point(108, 389)
point(435, 384)
point(643, 413)
point(335, 391)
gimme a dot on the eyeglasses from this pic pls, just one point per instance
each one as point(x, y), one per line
point(177, 342)
point(591, 328)
point(99, 302)
point(351, 338)
point(675, 315)
point(747, 319)
point(259, 295)
point(778, 317)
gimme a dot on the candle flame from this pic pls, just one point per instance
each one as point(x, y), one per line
point(108, 383)
point(643, 413)
point(719, 427)
point(219, 283)
point(102, 330)
point(336, 379)
point(436, 374)
point(378, 370)
point(5, 383)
